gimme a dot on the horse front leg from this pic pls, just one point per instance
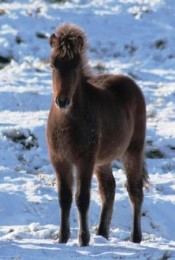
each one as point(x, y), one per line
point(84, 176)
point(64, 182)
point(133, 165)
point(107, 193)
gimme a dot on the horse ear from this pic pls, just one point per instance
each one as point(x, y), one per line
point(53, 40)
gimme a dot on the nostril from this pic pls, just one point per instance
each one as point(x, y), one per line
point(62, 102)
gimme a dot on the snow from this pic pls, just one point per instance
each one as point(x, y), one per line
point(135, 37)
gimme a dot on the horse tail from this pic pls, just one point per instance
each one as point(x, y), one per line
point(145, 176)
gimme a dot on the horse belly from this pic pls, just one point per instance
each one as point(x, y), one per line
point(113, 147)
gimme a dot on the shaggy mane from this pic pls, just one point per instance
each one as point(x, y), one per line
point(69, 41)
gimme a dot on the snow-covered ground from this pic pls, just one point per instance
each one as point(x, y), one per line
point(136, 37)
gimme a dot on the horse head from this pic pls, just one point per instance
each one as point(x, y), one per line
point(68, 45)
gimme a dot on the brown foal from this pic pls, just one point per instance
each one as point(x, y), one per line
point(93, 120)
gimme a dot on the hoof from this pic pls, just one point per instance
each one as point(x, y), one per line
point(84, 239)
point(102, 233)
point(136, 239)
point(63, 238)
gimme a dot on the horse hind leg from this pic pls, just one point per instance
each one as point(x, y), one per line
point(107, 193)
point(133, 164)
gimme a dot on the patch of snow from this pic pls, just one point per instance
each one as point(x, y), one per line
point(134, 37)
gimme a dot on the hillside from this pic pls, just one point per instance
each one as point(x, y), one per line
point(134, 37)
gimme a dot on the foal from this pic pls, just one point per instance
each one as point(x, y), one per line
point(92, 121)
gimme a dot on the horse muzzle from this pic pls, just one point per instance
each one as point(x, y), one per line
point(62, 102)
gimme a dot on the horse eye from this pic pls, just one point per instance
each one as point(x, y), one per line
point(51, 66)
